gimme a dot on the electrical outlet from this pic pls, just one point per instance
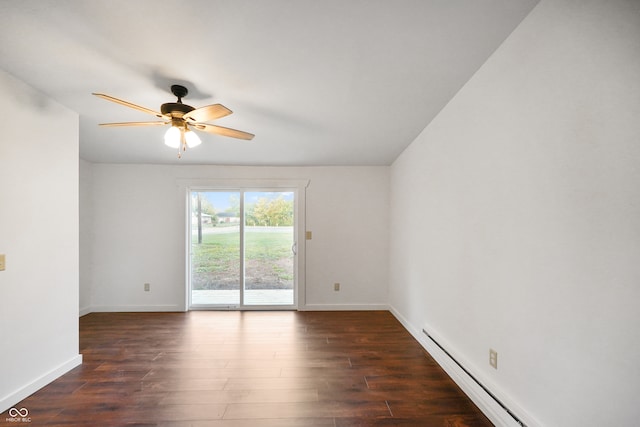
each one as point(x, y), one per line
point(493, 358)
point(336, 286)
point(147, 287)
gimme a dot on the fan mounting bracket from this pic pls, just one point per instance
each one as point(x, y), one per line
point(179, 91)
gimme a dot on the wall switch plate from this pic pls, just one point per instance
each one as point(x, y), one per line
point(2, 262)
point(147, 287)
point(336, 286)
point(493, 358)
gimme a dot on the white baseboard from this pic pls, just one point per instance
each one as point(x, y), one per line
point(134, 308)
point(483, 400)
point(344, 307)
point(173, 308)
point(27, 390)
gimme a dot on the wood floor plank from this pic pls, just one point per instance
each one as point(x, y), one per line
point(241, 369)
point(273, 383)
point(211, 373)
point(183, 384)
point(241, 396)
point(331, 409)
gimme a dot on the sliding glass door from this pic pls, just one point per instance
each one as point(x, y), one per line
point(242, 249)
point(215, 248)
point(269, 248)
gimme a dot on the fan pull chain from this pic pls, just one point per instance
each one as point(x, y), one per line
point(183, 144)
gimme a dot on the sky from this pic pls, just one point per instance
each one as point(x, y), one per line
point(221, 199)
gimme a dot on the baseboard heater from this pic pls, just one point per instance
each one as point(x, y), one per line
point(486, 390)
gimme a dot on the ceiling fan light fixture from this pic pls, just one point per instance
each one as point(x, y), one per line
point(173, 137)
point(192, 139)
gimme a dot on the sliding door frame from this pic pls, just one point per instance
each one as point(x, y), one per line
point(241, 185)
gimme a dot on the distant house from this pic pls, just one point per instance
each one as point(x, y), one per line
point(227, 217)
point(206, 219)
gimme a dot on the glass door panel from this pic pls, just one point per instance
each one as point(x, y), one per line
point(215, 249)
point(269, 248)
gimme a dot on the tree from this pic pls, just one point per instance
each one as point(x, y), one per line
point(205, 206)
point(280, 212)
point(270, 212)
point(201, 206)
point(234, 205)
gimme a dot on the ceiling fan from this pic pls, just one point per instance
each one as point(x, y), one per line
point(182, 118)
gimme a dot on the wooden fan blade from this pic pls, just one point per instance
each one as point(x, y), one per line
point(133, 124)
point(128, 104)
point(233, 133)
point(210, 112)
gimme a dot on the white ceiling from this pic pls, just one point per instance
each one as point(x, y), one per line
point(338, 82)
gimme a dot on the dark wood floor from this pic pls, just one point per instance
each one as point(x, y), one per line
point(253, 369)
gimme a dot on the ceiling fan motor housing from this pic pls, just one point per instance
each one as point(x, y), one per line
point(175, 109)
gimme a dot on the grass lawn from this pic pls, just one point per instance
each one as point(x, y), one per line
point(268, 260)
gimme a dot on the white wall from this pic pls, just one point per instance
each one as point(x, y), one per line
point(138, 233)
point(517, 218)
point(39, 235)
